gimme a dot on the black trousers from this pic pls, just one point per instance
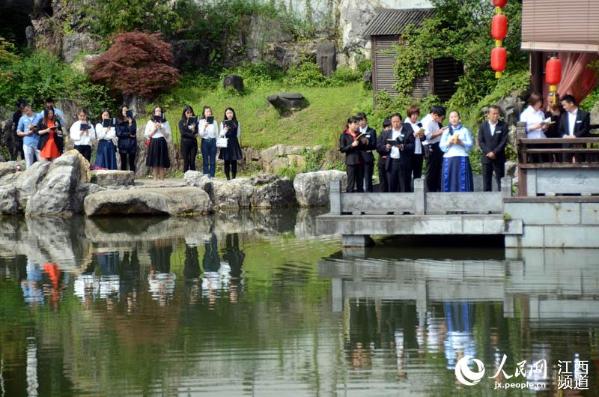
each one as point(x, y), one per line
point(399, 176)
point(127, 158)
point(231, 168)
point(383, 183)
point(355, 178)
point(85, 150)
point(433, 173)
point(490, 167)
point(417, 166)
point(368, 173)
point(189, 151)
point(16, 147)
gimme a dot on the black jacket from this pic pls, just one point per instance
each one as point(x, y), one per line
point(353, 155)
point(582, 127)
point(408, 141)
point(58, 139)
point(127, 136)
point(495, 143)
point(367, 154)
point(187, 134)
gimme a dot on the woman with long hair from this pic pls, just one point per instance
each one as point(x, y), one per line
point(188, 128)
point(106, 134)
point(51, 143)
point(231, 130)
point(83, 135)
point(208, 130)
point(158, 131)
point(126, 132)
point(456, 143)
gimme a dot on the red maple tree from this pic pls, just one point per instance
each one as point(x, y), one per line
point(136, 63)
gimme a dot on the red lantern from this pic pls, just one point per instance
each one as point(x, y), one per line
point(553, 76)
point(499, 3)
point(499, 27)
point(498, 60)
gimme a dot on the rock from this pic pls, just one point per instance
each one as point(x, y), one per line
point(196, 178)
point(511, 168)
point(232, 194)
point(272, 191)
point(179, 201)
point(326, 57)
point(190, 54)
point(56, 193)
point(113, 177)
point(286, 103)
point(27, 182)
point(312, 188)
point(9, 204)
point(11, 167)
point(234, 82)
point(77, 43)
point(367, 78)
point(595, 114)
point(511, 107)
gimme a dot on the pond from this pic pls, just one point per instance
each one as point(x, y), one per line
point(257, 304)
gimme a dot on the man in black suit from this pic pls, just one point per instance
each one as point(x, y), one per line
point(492, 138)
point(352, 145)
point(574, 123)
point(367, 153)
point(382, 165)
point(398, 145)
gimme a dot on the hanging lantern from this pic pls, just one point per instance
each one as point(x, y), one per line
point(498, 60)
point(499, 3)
point(499, 28)
point(553, 76)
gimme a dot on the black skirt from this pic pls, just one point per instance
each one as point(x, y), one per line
point(157, 155)
point(232, 151)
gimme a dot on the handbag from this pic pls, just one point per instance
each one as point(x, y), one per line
point(222, 142)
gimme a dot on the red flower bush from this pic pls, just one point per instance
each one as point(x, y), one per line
point(136, 64)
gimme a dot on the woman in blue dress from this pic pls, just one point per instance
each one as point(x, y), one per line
point(456, 143)
point(107, 141)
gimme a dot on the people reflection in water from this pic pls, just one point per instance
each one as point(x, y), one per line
point(52, 286)
point(129, 278)
point(100, 280)
point(213, 279)
point(234, 257)
point(32, 284)
point(161, 280)
point(459, 318)
point(191, 273)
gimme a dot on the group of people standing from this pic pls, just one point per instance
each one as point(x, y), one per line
point(41, 136)
point(405, 144)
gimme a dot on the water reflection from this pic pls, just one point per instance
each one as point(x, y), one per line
point(254, 304)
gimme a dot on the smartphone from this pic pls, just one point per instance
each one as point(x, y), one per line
point(157, 119)
point(192, 120)
point(106, 123)
point(84, 127)
point(129, 114)
point(210, 119)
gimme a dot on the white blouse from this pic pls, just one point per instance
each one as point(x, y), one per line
point(530, 116)
point(417, 142)
point(452, 150)
point(80, 139)
point(163, 131)
point(222, 130)
point(208, 131)
point(108, 134)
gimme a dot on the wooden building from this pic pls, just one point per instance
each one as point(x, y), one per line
point(385, 32)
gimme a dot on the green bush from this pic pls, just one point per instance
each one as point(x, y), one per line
point(306, 74)
point(344, 75)
point(40, 75)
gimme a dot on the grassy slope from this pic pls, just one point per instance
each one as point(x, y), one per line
point(319, 124)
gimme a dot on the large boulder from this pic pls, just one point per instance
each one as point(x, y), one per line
point(234, 82)
point(56, 193)
point(288, 102)
point(77, 43)
point(326, 57)
point(113, 177)
point(28, 181)
point(312, 188)
point(8, 199)
point(179, 201)
point(272, 191)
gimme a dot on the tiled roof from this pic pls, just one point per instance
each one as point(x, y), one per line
point(393, 22)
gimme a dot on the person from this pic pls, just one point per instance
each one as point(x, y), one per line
point(234, 257)
point(456, 142)
point(15, 143)
point(158, 131)
point(398, 145)
point(367, 155)
point(26, 130)
point(231, 130)
point(576, 122)
point(352, 144)
point(536, 126)
point(51, 142)
point(49, 104)
point(553, 112)
point(208, 130)
point(383, 155)
point(106, 135)
point(83, 135)
point(126, 132)
point(433, 131)
point(492, 138)
point(413, 115)
point(188, 127)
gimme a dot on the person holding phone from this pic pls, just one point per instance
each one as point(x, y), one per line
point(83, 135)
point(456, 143)
point(51, 143)
point(188, 128)
point(158, 131)
point(231, 130)
point(208, 130)
point(26, 129)
point(126, 132)
point(106, 134)
point(413, 115)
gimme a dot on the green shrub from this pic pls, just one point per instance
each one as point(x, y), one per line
point(344, 75)
point(306, 74)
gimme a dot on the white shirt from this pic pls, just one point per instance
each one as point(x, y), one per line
point(211, 130)
point(492, 127)
point(395, 153)
point(456, 150)
point(530, 116)
point(164, 131)
point(572, 121)
point(77, 136)
point(108, 134)
point(417, 142)
point(430, 126)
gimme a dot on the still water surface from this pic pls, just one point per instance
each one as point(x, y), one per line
point(256, 304)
